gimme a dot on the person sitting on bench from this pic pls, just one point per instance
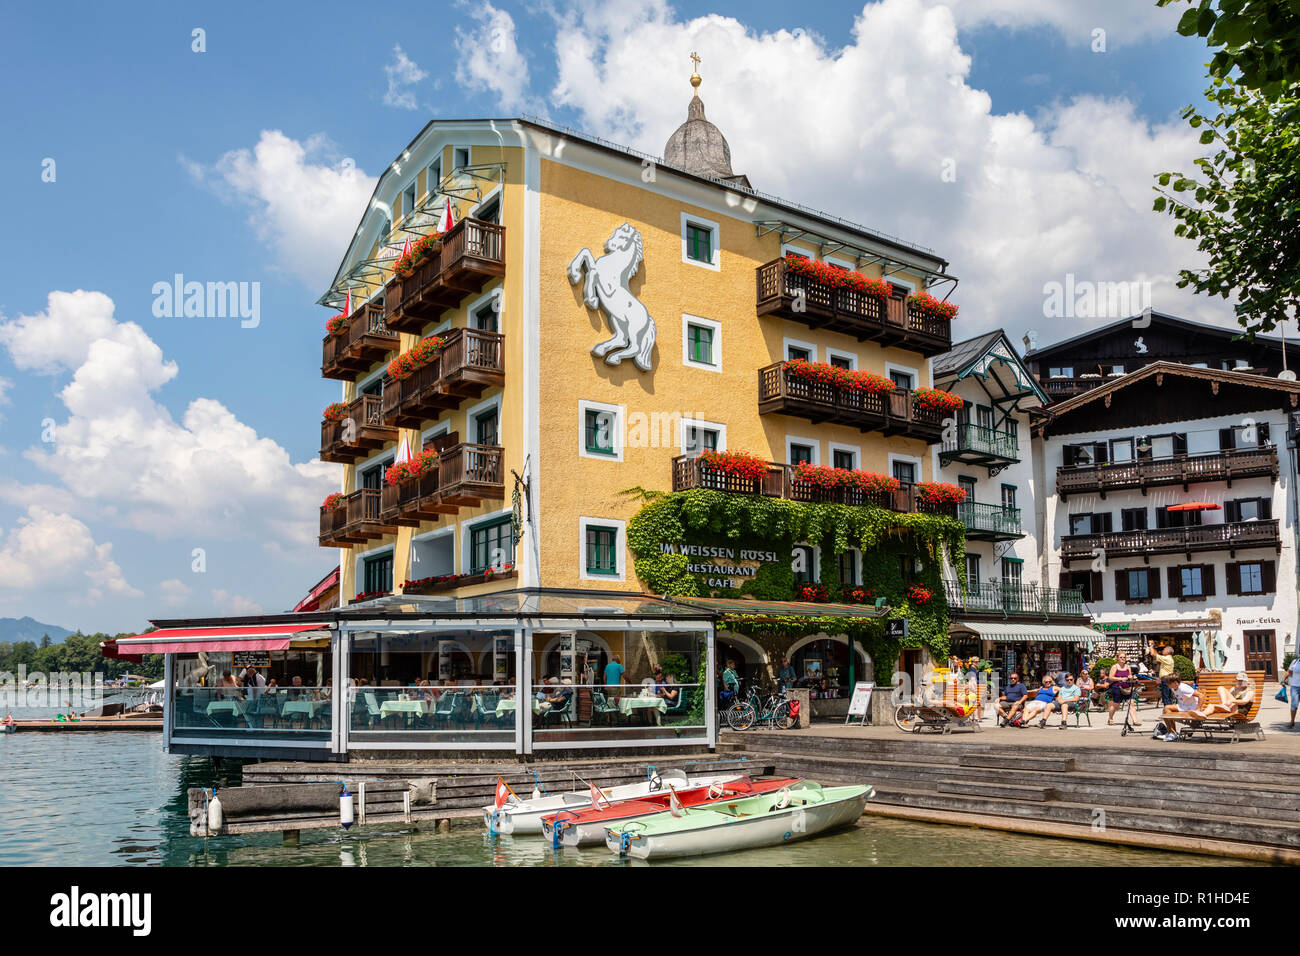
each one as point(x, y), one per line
point(1235, 699)
point(1012, 699)
point(1044, 702)
point(1187, 703)
point(1068, 696)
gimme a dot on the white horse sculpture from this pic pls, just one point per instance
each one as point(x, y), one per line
point(606, 289)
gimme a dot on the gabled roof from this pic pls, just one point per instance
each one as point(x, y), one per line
point(1158, 318)
point(989, 356)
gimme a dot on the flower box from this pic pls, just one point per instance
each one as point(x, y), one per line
point(834, 277)
point(823, 476)
point(409, 261)
point(421, 464)
point(337, 325)
point(925, 304)
point(940, 492)
point(817, 593)
point(333, 502)
point(937, 399)
point(415, 358)
point(846, 378)
point(336, 412)
point(447, 582)
point(860, 595)
point(736, 463)
point(919, 594)
point(369, 595)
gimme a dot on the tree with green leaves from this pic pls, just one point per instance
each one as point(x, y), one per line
point(1242, 204)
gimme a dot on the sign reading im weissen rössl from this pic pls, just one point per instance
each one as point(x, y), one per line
point(721, 571)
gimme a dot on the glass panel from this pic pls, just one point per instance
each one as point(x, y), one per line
point(800, 453)
point(254, 696)
point(901, 379)
point(601, 558)
point(492, 546)
point(485, 428)
point(793, 352)
point(600, 432)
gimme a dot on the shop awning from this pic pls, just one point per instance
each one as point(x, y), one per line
point(1026, 633)
point(187, 640)
point(728, 606)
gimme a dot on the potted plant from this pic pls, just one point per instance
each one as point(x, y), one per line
point(737, 463)
point(835, 277)
point(415, 358)
point(337, 325)
point(336, 412)
point(919, 594)
point(846, 378)
point(421, 464)
point(410, 260)
point(925, 304)
point(940, 492)
point(936, 399)
point(818, 593)
point(332, 502)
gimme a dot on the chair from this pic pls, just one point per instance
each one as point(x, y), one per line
point(680, 706)
point(485, 709)
point(564, 711)
point(445, 710)
point(1082, 706)
point(602, 708)
point(372, 707)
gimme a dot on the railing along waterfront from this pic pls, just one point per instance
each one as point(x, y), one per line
point(984, 441)
point(366, 341)
point(781, 392)
point(1010, 598)
point(1210, 537)
point(1226, 465)
point(263, 713)
point(980, 518)
point(800, 298)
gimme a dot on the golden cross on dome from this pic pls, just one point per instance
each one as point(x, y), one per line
point(695, 72)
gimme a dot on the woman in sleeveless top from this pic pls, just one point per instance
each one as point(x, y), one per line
point(1121, 689)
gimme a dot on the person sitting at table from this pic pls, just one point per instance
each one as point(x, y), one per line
point(508, 692)
point(228, 685)
point(1235, 699)
point(1043, 702)
point(543, 691)
point(667, 692)
point(296, 690)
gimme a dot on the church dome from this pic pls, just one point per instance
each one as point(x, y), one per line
point(698, 146)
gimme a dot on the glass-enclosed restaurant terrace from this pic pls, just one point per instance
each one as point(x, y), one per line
point(518, 671)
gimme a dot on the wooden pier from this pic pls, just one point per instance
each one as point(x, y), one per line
point(133, 722)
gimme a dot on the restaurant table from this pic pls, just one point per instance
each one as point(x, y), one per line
point(226, 707)
point(391, 708)
point(308, 708)
point(628, 704)
point(509, 707)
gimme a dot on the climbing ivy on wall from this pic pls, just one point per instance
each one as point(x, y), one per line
point(883, 538)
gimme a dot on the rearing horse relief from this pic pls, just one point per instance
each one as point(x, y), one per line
point(606, 289)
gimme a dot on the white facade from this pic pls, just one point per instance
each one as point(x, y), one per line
point(1262, 575)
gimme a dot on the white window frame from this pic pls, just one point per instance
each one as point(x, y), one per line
point(914, 372)
point(715, 245)
point(443, 326)
point(467, 536)
point(894, 456)
point(833, 446)
point(811, 442)
point(359, 569)
point(799, 344)
point(686, 423)
point(816, 575)
point(840, 263)
point(413, 187)
point(428, 536)
point(620, 550)
point(619, 432)
point(432, 184)
point(907, 284)
point(497, 193)
point(474, 411)
point(716, 327)
point(840, 353)
point(478, 304)
point(810, 254)
point(459, 149)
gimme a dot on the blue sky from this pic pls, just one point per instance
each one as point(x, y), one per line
point(147, 137)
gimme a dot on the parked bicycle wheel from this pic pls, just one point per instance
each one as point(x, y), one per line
point(783, 716)
point(741, 718)
point(906, 717)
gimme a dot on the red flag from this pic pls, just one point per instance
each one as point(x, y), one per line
point(447, 220)
point(502, 791)
point(347, 308)
point(406, 247)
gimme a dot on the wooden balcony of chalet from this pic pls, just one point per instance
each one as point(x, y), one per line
point(355, 521)
point(867, 318)
point(468, 256)
point(1006, 600)
point(1230, 536)
point(689, 473)
point(891, 413)
point(1227, 465)
point(973, 444)
point(469, 362)
point(359, 433)
point(464, 475)
point(366, 341)
point(989, 522)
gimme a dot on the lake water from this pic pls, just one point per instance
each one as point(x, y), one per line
point(115, 799)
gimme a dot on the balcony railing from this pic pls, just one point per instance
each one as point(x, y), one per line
point(780, 392)
point(463, 475)
point(1007, 598)
point(1059, 389)
point(981, 445)
point(986, 522)
point(360, 432)
point(469, 362)
point(1184, 470)
point(366, 341)
point(470, 254)
point(890, 322)
point(1229, 536)
point(357, 520)
point(689, 473)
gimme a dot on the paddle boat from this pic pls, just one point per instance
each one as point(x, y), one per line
point(791, 813)
point(517, 816)
point(577, 827)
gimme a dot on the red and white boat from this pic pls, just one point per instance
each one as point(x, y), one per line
point(574, 827)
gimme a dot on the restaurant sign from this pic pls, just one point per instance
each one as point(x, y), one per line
point(722, 567)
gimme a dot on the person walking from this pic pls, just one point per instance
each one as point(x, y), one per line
point(1292, 677)
point(614, 676)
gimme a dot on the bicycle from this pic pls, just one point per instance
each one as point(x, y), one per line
point(774, 711)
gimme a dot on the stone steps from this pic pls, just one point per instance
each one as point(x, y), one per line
point(1002, 791)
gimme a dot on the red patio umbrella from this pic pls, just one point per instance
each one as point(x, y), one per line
point(1196, 506)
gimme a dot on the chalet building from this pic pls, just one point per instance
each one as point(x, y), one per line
point(1083, 362)
point(1007, 612)
point(1170, 505)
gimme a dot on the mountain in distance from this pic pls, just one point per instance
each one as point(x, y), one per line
point(15, 629)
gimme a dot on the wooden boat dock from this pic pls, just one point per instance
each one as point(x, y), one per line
point(135, 722)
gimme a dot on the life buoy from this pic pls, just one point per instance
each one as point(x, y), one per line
point(783, 798)
point(716, 790)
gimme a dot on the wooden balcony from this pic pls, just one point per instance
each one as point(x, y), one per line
point(1005, 600)
point(1231, 537)
point(360, 432)
point(412, 502)
point(891, 413)
point(991, 448)
point(1182, 470)
point(357, 521)
point(471, 474)
point(470, 254)
point(367, 341)
point(1059, 389)
point(867, 318)
point(988, 522)
point(689, 473)
point(469, 362)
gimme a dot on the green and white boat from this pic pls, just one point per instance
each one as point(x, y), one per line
point(790, 814)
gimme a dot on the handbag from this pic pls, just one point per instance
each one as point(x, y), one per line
point(1281, 694)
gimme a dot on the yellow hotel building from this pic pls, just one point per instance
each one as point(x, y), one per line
point(604, 316)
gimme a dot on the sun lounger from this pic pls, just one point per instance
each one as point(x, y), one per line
point(1233, 725)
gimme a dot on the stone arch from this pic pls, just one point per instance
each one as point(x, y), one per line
point(862, 654)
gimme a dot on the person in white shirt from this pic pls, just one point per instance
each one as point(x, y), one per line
point(1292, 677)
point(1187, 701)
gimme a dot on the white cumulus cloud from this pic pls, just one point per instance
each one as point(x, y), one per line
point(1124, 21)
point(403, 73)
point(488, 58)
point(57, 553)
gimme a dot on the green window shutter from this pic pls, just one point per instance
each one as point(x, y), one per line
point(699, 243)
point(701, 345)
point(601, 557)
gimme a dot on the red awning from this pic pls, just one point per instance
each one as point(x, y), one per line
point(1196, 506)
point(110, 650)
point(187, 640)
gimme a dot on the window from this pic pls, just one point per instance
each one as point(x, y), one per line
point(485, 427)
point(599, 432)
point(904, 471)
point(373, 477)
point(967, 484)
point(1121, 450)
point(491, 545)
point(489, 211)
point(377, 572)
point(849, 567)
point(840, 361)
point(1193, 581)
point(385, 230)
point(1064, 371)
point(901, 379)
point(793, 352)
point(801, 563)
point(984, 416)
point(375, 387)
point(907, 568)
point(408, 200)
point(433, 176)
point(800, 453)
point(701, 243)
point(602, 542)
point(1009, 497)
point(1244, 436)
point(1133, 519)
point(844, 459)
point(484, 317)
point(1115, 370)
point(1139, 585)
point(1011, 572)
point(973, 573)
point(699, 435)
point(460, 157)
point(1088, 583)
point(1252, 577)
point(1176, 519)
point(701, 343)
point(1248, 509)
point(1090, 523)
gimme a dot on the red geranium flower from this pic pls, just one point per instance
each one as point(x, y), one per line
point(415, 358)
point(940, 492)
point(738, 463)
point(332, 502)
point(936, 398)
point(836, 277)
point(337, 325)
point(336, 412)
point(926, 304)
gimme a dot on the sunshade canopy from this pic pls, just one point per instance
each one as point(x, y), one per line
point(1195, 506)
point(1026, 633)
point(185, 640)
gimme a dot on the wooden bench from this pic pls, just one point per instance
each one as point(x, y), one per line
point(1207, 685)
